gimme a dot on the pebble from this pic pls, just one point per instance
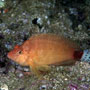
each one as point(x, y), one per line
point(73, 87)
point(2, 25)
point(80, 27)
point(4, 87)
point(12, 70)
point(83, 78)
point(65, 79)
point(8, 46)
point(88, 79)
point(48, 22)
point(19, 67)
point(46, 17)
point(25, 21)
point(2, 70)
point(43, 87)
point(2, 3)
point(26, 69)
point(85, 86)
point(7, 31)
point(19, 74)
point(39, 21)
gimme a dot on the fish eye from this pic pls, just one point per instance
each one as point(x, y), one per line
point(20, 52)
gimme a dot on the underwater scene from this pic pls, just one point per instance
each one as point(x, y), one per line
point(44, 44)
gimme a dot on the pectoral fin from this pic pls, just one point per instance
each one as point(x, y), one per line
point(39, 70)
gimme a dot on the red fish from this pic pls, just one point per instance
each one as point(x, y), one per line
point(42, 50)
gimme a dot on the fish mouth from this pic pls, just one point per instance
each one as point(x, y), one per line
point(9, 55)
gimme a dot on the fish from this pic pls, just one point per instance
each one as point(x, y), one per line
point(41, 51)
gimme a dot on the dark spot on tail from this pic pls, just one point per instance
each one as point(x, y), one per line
point(77, 55)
